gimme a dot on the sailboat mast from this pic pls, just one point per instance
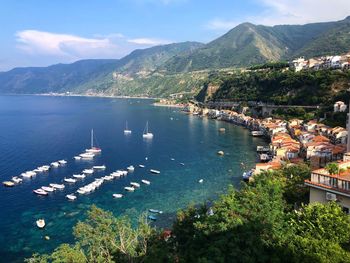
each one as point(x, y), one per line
point(92, 138)
point(147, 127)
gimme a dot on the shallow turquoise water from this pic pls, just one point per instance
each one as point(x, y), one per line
point(38, 130)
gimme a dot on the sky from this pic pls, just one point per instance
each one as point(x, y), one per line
point(46, 32)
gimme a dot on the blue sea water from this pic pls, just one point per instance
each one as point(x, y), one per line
point(37, 130)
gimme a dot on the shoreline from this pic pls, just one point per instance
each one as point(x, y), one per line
point(81, 95)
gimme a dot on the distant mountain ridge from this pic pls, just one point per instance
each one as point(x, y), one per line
point(156, 71)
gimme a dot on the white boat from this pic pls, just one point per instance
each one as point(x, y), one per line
point(40, 223)
point(48, 188)
point(130, 168)
point(93, 149)
point(108, 178)
point(173, 159)
point(40, 192)
point(99, 167)
point(44, 168)
point(81, 191)
point(71, 197)
point(146, 134)
point(129, 189)
point(55, 164)
point(79, 176)
point(117, 195)
point(58, 186)
point(28, 174)
point(62, 162)
point(69, 180)
point(146, 182)
point(154, 171)
point(87, 155)
point(257, 133)
point(88, 171)
point(127, 131)
point(141, 166)
point(77, 157)
point(134, 184)
point(116, 174)
point(201, 181)
point(17, 180)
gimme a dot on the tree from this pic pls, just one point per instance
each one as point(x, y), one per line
point(332, 168)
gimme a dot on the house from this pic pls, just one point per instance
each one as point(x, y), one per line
point(299, 64)
point(339, 106)
point(325, 187)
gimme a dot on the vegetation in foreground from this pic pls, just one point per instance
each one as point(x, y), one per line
point(267, 220)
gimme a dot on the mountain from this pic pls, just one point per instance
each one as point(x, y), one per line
point(249, 44)
point(91, 74)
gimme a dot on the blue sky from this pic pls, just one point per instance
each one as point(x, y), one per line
point(45, 32)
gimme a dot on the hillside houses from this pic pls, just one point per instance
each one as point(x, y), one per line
point(326, 62)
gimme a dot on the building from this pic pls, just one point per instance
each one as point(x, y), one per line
point(325, 187)
point(339, 106)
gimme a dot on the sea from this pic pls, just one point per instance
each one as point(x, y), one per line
point(38, 130)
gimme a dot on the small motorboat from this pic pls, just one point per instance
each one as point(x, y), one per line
point(116, 174)
point(154, 171)
point(152, 217)
point(82, 190)
point(141, 166)
point(146, 182)
point(88, 171)
point(130, 168)
point(173, 159)
point(16, 179)
point(71, 197)
point(117, 195)
point(8, 183)
point(62, 162)
point(201, 181)
point(58, 186)
point(87, 155)
point(55, 164)
point(129, 189)
point(99, 167)
point(155, 211)
point(40, 223)
point(40, 192)
point(135, 185)
point(77, 157)
point(70, 180)
point(48, 189)
point(28, 174)
point(182, 164)
point(257, 133)
point(79, 176)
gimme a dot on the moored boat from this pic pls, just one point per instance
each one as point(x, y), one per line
point(28, 174)
point(130, 168)
point(93, 149)
point(48, 189)
point(117, 195)
point(134, 184)
point(8, 183)
point(62, 162)
point(200, 181)
point(146, 182)
point(127, 131)
point(154, 171)
point(70, 180)
point(141, 166)
point(257, 133)
point(40, 192)
point(58, 186)
point(40, 223)
point(77, 157)
point(71, 197)
point(146, 134)
point(88, 171)
point(79, 176)
point(55, 164)
point(155, 211)
point(152, 217)
point(99, 167)
point(16, 179)
point(129, 189)
point(87, 155)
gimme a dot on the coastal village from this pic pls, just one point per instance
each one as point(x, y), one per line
point(297, 141)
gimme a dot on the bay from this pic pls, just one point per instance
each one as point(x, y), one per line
point(37, 130)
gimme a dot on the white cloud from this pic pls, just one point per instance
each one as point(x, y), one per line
point(148, 41)
point(46, 43)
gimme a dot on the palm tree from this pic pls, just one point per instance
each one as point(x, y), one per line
point(332, 168)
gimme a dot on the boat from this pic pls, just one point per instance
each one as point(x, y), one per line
point(152, 217)
point(40, 192)
point(257, 133)
point(71, 197)
point(40, 223)
point(182, 164)
point(16, 179)
point(141, 166)
point(117, 195)
point(201, 181)
point(55, 164)
point(129, 189)
point(146, 182)
point(99, 167)
point(48, 188)
point(88, 171)
point(246, 175)
point(154, 171)
point(77, 157)
point(127, 131)
point(146, 134)
point(130, 168)
point(155, 211)
point(62, 162)
point(82, 190)
point(58, 186)
point(93, 149)
point(79, 176)
point(8, 183)
point(134, 184)
point(28, 174)
point(264, 157)
point(69, 180)
point(262, 149)
point(173, 159)
point(116, 174)
point(87, 155)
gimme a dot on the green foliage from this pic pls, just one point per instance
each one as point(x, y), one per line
point(332, 168)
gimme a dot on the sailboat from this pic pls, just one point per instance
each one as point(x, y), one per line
point(127, 131)
point(93, 149)
point(146, 134)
